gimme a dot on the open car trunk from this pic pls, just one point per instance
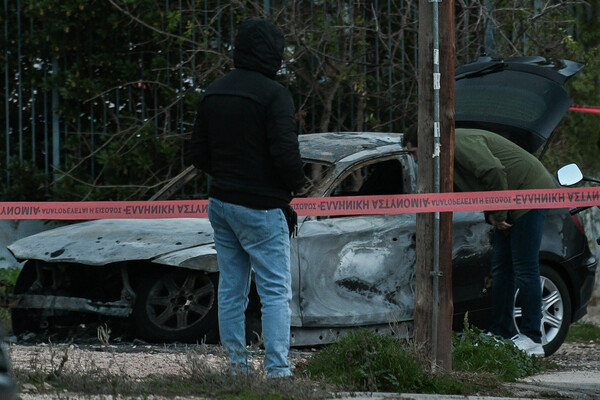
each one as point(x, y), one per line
point(520, 98)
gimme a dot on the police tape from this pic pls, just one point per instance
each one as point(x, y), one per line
point(584, 108)
point(320, 206)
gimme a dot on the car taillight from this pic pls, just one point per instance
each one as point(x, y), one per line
point(578, 223)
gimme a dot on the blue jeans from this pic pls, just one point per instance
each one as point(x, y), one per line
point(247, 239)
point(515, 264)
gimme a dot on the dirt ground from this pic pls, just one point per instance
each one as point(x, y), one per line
point(140, 360)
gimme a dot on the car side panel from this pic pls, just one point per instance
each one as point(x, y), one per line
point(356, 270)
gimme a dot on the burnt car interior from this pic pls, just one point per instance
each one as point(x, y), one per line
point(380, 178)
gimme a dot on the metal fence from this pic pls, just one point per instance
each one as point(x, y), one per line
point(91, 85)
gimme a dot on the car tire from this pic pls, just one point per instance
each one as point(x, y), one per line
point(556, 309)
point(177, 306)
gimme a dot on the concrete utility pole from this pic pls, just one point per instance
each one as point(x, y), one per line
point(433, 297)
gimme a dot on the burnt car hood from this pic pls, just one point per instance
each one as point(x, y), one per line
point(520, 98)
point(102, 242)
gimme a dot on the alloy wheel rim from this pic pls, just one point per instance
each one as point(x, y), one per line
point(552, 310)
point(175, 304)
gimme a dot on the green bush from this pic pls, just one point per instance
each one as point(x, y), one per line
point(367, 361)
point(364, 360)
point(475, 351)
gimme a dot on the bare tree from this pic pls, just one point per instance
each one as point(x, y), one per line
point(351, 65)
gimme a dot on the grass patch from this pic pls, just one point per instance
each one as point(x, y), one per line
point(584, 331)
point(475, 351)
point(365, 361)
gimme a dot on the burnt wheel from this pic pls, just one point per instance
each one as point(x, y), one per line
point(177, 306)
point(556, 309)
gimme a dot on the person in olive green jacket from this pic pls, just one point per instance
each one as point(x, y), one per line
point(485, 161)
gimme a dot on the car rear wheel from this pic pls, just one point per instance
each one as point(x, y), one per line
point(177, 306)
point(556, 309)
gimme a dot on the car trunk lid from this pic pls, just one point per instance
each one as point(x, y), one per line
point(522, 98)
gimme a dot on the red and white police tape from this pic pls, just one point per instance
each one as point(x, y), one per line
point(586, 109)
point(320, 206)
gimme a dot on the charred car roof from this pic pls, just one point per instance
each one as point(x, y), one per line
point(329, 148)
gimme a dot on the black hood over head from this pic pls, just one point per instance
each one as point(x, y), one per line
point(259, 47)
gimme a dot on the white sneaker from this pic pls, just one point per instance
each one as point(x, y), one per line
point(523, 342)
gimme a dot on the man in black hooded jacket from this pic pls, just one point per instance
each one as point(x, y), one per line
point(245, 137)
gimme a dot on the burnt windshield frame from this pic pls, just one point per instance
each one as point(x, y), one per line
point(316, 173)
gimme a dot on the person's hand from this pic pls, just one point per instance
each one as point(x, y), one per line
point(502, 225)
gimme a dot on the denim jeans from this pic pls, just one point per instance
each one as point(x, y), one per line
point(247, 239)
point(515, 264)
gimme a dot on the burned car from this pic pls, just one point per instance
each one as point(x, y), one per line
point(347, 271)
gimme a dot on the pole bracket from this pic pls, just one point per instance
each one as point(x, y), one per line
point(438, 273)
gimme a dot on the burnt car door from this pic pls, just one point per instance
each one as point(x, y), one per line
point(359, 270)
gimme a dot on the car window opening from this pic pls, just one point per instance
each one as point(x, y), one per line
point(314, 173)
point(380, 178)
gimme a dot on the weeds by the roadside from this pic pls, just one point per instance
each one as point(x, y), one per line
point(475, 351)
point(214, 379)
point(366, 361)
point(256, 386)
point(583, 331)
point(204, 373)
point(57, 368)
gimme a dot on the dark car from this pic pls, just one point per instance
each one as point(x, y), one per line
point(347, 271)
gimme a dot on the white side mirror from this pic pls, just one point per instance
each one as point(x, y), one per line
point(569, 174)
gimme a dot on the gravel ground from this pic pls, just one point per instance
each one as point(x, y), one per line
point(128, 361)
point(140, 360)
